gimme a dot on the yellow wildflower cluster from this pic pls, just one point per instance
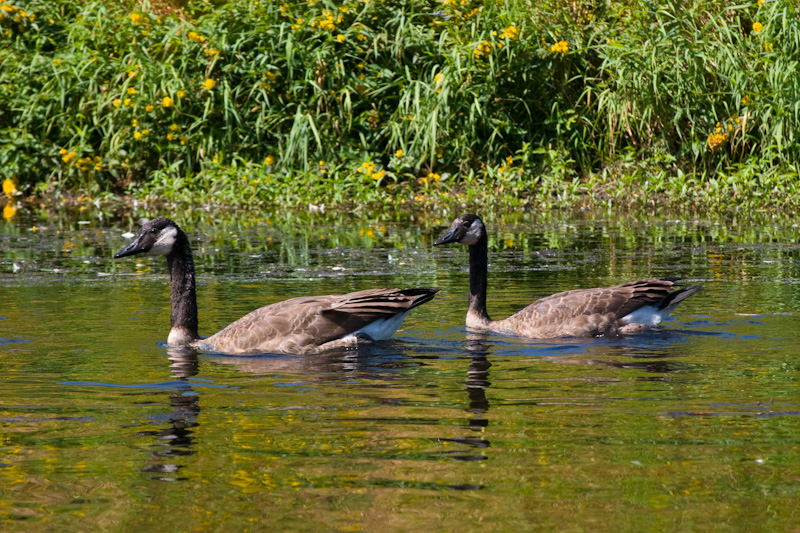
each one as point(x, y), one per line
point(137, 19)
point(269, 160)
point(67, 157)
point(15, 17)
point(166, 102)
point(368, 169)
point(211, 52)
point(722, 133)
point(84, 164)
point(510, 33)
point(483, 49)
point(758, 27)
point(560, 46)
point(9, 211)
point(196, 37)
point(718, 140)
point(327, 22)
point(506, 166)
point(209, 84)
point(432, 177)
point(458, 10)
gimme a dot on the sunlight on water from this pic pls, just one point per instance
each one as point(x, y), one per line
point(692, 427)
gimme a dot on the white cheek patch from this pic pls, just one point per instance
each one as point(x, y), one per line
point(476, 230)
point(166, 240)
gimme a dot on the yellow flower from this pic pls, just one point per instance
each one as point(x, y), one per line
point(439, 77)
point(9, 187)
point(745, 100)
point(269, 160)
point(181, 94)
point(718, 140)
point(560, 46)
point(378, 175)
point(68, 158)
point(137, 19)
point(137, 135)
point(135, 123)
point(116, 102)
point(149, 108)
point(196, 37)
point(483, 49)
point(184, 139)
point(768, 47)
point(174, 127)
point(131, 90)
point(145, 132)
point(510, 33)
point(127, 101)
point(63, 151)
point(9, 211)
point(170, 136)
point(340, 38)
point(210, 52)
point(399, 153)
point(758, 27)
point(209, 84)
point(166, 102)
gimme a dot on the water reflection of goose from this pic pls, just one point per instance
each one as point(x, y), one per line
point(305, 325)
point(632, 307)
point(177, 439)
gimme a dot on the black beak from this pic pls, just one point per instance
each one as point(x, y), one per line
point(133, 248)
point(448, 237)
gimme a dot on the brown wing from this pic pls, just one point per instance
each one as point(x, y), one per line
point(584, 312)
point(302, 325)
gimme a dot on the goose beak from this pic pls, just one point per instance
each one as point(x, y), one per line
point(134, 247)
point(448, 237)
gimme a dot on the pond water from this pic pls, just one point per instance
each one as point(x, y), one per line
point(695, 427)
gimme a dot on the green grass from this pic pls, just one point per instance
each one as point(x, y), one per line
point(495, 103)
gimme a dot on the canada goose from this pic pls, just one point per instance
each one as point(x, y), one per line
point(632, 307)
point(304, 325)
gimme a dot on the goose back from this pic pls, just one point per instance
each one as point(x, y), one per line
point(313, 324)
point(627, 308)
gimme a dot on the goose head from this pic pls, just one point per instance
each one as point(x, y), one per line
point(157, 237)
point(466, 229)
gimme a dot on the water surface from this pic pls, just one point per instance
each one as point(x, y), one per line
point(691, 428)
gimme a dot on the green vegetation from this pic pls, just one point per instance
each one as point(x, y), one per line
point(495, 103)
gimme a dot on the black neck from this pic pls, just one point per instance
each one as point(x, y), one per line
point(478, 273)
point(184, 296)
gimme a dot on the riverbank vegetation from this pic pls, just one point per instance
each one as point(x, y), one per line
point(494, 103)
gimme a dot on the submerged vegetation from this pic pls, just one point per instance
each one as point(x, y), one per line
point(495, 103)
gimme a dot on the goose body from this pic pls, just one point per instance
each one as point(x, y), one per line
point(304, 325)
point(632, 307)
